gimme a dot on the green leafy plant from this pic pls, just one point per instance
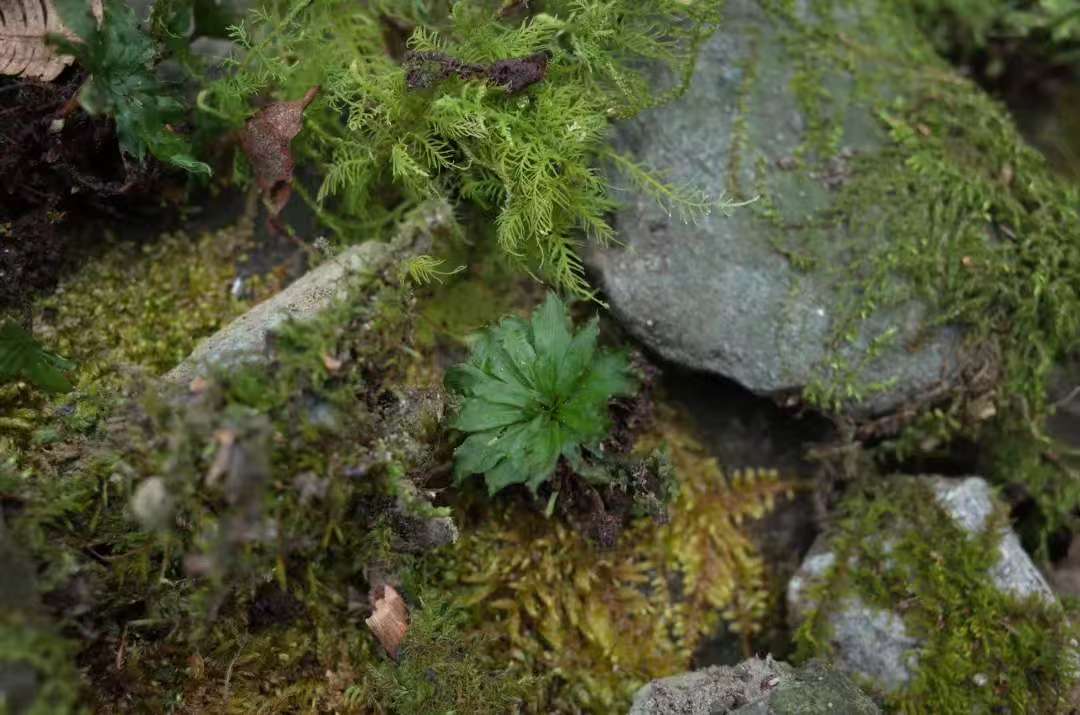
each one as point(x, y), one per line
point(500, 108)
point(532, 392)
point(23, 358)
point(119, 57)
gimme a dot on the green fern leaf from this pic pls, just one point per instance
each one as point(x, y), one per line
point(22, 358)
point(532, 392)
point(120, 57)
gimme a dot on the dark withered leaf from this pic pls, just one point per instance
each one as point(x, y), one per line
point(266, 140)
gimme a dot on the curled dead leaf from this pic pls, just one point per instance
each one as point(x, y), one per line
point(25, 26)
point(265, 139)
point(390, 619)
point(332, 363)
point(225, 439)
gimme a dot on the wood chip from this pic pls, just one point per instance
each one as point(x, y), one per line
point(225, 438)
point(332, 363)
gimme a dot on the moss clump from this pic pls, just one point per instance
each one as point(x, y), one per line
point(38, 669)
point(441, 668)
point(130, 308)
point(150, 303)
point(576, 616)
point(972, 631)
point(225, 533)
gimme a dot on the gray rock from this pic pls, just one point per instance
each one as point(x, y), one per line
point(717, 295)
point(19, 681)
point(244, 339)
point(18, 687)
point(970, 503)
point(754, 687)
point(874, 642)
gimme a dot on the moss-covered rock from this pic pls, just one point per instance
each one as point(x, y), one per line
point(755, 296)
point(899, 226)
point(922, 590)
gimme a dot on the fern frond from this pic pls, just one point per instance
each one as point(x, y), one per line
point(426, 269)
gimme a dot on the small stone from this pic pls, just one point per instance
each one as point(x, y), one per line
point(980, 680)
point(754, 687)
point(151, 503)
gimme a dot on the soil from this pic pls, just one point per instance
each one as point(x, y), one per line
point(60, 169)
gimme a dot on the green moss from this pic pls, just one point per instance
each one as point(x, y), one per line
point(575, 616)
point(953, 210)
point(971, 629)
point(226, 530)
point(518, 150)
point(149, 303)
point(442, 668)
point(45, 659)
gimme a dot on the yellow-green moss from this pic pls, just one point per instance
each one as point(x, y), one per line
point(596, 624)
point(971, 629)
point(131, 307)
point(145, 304)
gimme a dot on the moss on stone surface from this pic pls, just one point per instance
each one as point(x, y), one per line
point(972, 631)
point(577, 616)
point(979, 230)
point(37, 667)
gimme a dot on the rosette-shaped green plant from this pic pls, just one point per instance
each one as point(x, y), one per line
point(534, 391)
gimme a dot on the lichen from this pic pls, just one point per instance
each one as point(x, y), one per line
point(982, 647)
point(575, 615)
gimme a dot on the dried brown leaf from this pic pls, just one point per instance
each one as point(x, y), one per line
point(266, 139)
point(225, 439)
point(24, 29)
point(390, 620)
point(332, 363)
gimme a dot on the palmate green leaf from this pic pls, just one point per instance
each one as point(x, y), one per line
point(22, 358)
point(533, 392)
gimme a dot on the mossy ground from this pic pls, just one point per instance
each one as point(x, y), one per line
point(575, 614)
point(250, 596)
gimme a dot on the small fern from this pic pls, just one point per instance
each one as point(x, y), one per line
point(532, 392)
point(511, 115)
point(22, 358)
point(119, 57)
point(424, 269)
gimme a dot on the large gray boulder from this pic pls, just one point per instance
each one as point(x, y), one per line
point(754, 687)
point(874, 642)
point(717, 294)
